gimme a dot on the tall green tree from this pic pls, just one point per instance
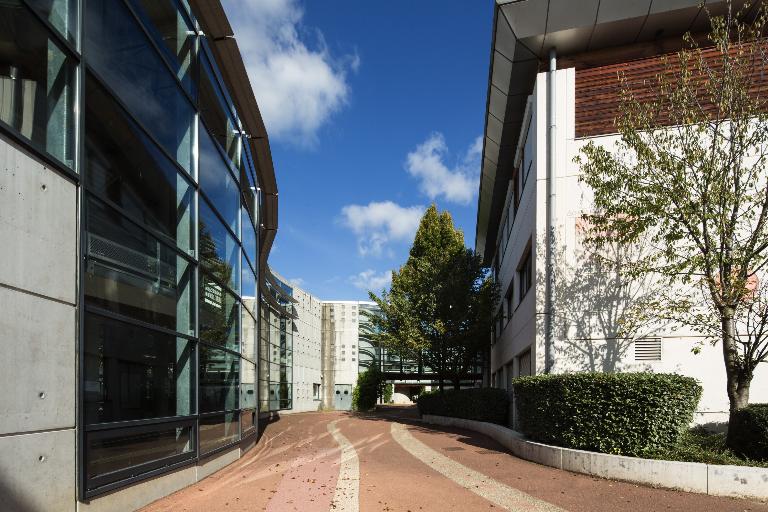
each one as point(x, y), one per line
point(697, 188)
point(439, 308)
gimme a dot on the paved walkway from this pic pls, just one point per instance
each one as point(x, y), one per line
point(345, 463)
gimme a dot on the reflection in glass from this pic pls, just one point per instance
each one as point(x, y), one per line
point(216, 109)
point(219, 314)
point(219, 252)
point(219, 380)
point(108, 452)
point(128, 169)
point(218, 431)
point(249, 335)
point(131, 273)
point(248, 281)
point(247, 421)
point(248, 236)
point(121, 54)
point(134, 373)
point(217, 182)
point(248, 385)
point(37, 84)
point(174, 36)
point(62, 14)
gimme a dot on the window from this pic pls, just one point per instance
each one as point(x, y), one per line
point(219, 380)
point(37, 82)
point(247, 385)
point(217, 182)
point(525, 273)
point(219, 251)
point(316, 391)
point(121, 54)
point(217, 112)
point(111, 456)
point(127, 169)
point(525, 364)
point(62, 14)
point(508, 297)
point(134, 373)
point(131, 273)
point(173, 34)
point(218, 431)
point(219, 314)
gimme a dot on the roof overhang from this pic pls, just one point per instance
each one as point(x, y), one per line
point(523, 33)
point(221, 38)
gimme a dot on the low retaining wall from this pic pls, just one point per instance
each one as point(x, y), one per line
point(736, 481)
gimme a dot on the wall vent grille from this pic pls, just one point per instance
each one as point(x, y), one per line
point(648, 349)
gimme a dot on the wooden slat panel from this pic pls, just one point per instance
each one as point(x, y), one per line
point(598, 89)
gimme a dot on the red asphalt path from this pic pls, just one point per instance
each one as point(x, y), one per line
point(295, 467)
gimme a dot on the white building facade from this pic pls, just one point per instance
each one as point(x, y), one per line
point(536, 124)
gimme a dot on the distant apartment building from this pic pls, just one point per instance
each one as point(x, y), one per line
point(554, 87)
point(138, 205)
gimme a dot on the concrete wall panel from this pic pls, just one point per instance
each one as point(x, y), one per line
point(38, 226)
point(37, 340)
point(37, 472)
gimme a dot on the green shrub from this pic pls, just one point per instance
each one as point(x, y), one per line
point(749, 432)
point(481, 404)
point(623, 413)
point(369, 388)
point(389, 389)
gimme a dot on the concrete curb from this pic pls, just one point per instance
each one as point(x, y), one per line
point(734, 481)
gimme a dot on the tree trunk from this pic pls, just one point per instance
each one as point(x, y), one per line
point(456, 383)
point(738, 378)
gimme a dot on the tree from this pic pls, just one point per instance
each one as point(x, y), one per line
point(697, 189)
point(439, 306)
point(369, 388)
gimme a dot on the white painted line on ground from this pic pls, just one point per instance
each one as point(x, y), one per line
point(347, 495)
point(484, 486)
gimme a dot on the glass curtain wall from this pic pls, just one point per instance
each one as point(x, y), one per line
point(276, 354)
point(169, 214)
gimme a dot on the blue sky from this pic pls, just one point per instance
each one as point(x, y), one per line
point(374, 110)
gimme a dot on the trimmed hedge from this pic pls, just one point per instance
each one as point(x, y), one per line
point(481, 404)
point(622, 413)
point(748, 432)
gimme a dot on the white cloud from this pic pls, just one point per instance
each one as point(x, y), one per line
point(297, 282)
point(378, 223)
point(298, 86)
point(371, 280)
point(456, 183)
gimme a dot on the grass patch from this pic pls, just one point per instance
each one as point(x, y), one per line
point(699, 445)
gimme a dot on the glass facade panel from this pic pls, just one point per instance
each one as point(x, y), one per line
point(249, 335)
point(248, 234)
point(219, 314)
point(62, 14)
point(118, 50)
point(218, 431)
point(219, 380)
point(37, 84)
point(217, 114)
point(219, 252)
point(173, 34)
point(110, 452)
point(134, 373)
point(217, 182)
point(247, 421)
point(248, 280)
point(131, 273)
point(248, 385)
point(128, 169)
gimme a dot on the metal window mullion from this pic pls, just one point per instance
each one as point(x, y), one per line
point(132, 425)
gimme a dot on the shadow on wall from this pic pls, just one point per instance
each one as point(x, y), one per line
point(599, 309)
point(12, 502)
